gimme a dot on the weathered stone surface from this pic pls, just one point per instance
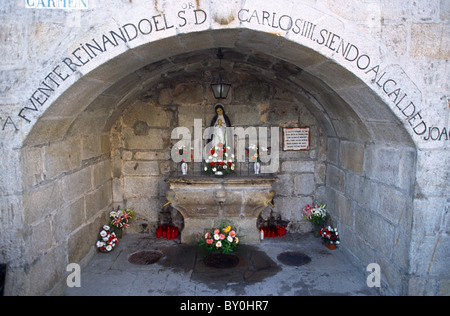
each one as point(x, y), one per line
point(209, 199)
point(61, 157)
point(352, 156)
point(427, 41)
point(113, 81)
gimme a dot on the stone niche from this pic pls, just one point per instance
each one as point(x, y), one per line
point(206, 201)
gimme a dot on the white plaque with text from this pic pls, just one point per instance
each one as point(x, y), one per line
point(295, 138)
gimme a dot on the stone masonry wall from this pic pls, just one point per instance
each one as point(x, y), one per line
point(67, 196)
point(381, 167)
point(142, 143)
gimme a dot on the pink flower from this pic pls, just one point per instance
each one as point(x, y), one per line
point(126, 216)
point(209, 241)
point(232, 234)
point(222, 236)
point(216, 231)
point(118, 221)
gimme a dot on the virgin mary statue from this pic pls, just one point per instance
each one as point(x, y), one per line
point(220, 125)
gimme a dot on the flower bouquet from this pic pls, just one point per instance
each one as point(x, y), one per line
point(219, 162)
point(108, 240)
point(317, 215)
point(330, 237)
point(222, 240)
point(185, 156)
point(255, 153)
point(120, 220)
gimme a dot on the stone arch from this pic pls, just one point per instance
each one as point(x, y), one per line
point(370, 160)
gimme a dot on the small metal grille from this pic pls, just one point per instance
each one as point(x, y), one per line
point(221, 261)
point(293, 258)
point(145, 257)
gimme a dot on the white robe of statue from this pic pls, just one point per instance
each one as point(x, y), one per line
point(220, 132)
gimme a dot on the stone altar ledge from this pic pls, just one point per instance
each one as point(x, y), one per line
point(205, 201)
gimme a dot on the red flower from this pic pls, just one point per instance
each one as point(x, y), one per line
point(212, 152)
point(221, 163)
point(212, 164)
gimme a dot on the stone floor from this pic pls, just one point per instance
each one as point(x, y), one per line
point(267, 268)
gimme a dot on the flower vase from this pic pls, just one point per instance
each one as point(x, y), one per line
point(257, 167)
point(118, 231)
point(184, 168)
point(316, 230)
point(330, 246)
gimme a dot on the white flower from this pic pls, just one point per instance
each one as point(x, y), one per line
point(100, 244)
point(206, 168)
point(109, 248)
point(105, 239)
point(216, 237)
point(230, 239)
point(219, 244)
point(214, 170)
point(103, 233)
point(106, 227)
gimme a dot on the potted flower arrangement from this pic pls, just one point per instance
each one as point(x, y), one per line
point(120, 220)
point(219, 162)
point(255, 153)
point(108, 240)
point(185, 157)
point(222, 240)
point(330, 237)
point(317, 215)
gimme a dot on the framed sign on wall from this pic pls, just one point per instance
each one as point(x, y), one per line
point(296, 138)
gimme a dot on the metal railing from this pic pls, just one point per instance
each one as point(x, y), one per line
point(195, 169)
